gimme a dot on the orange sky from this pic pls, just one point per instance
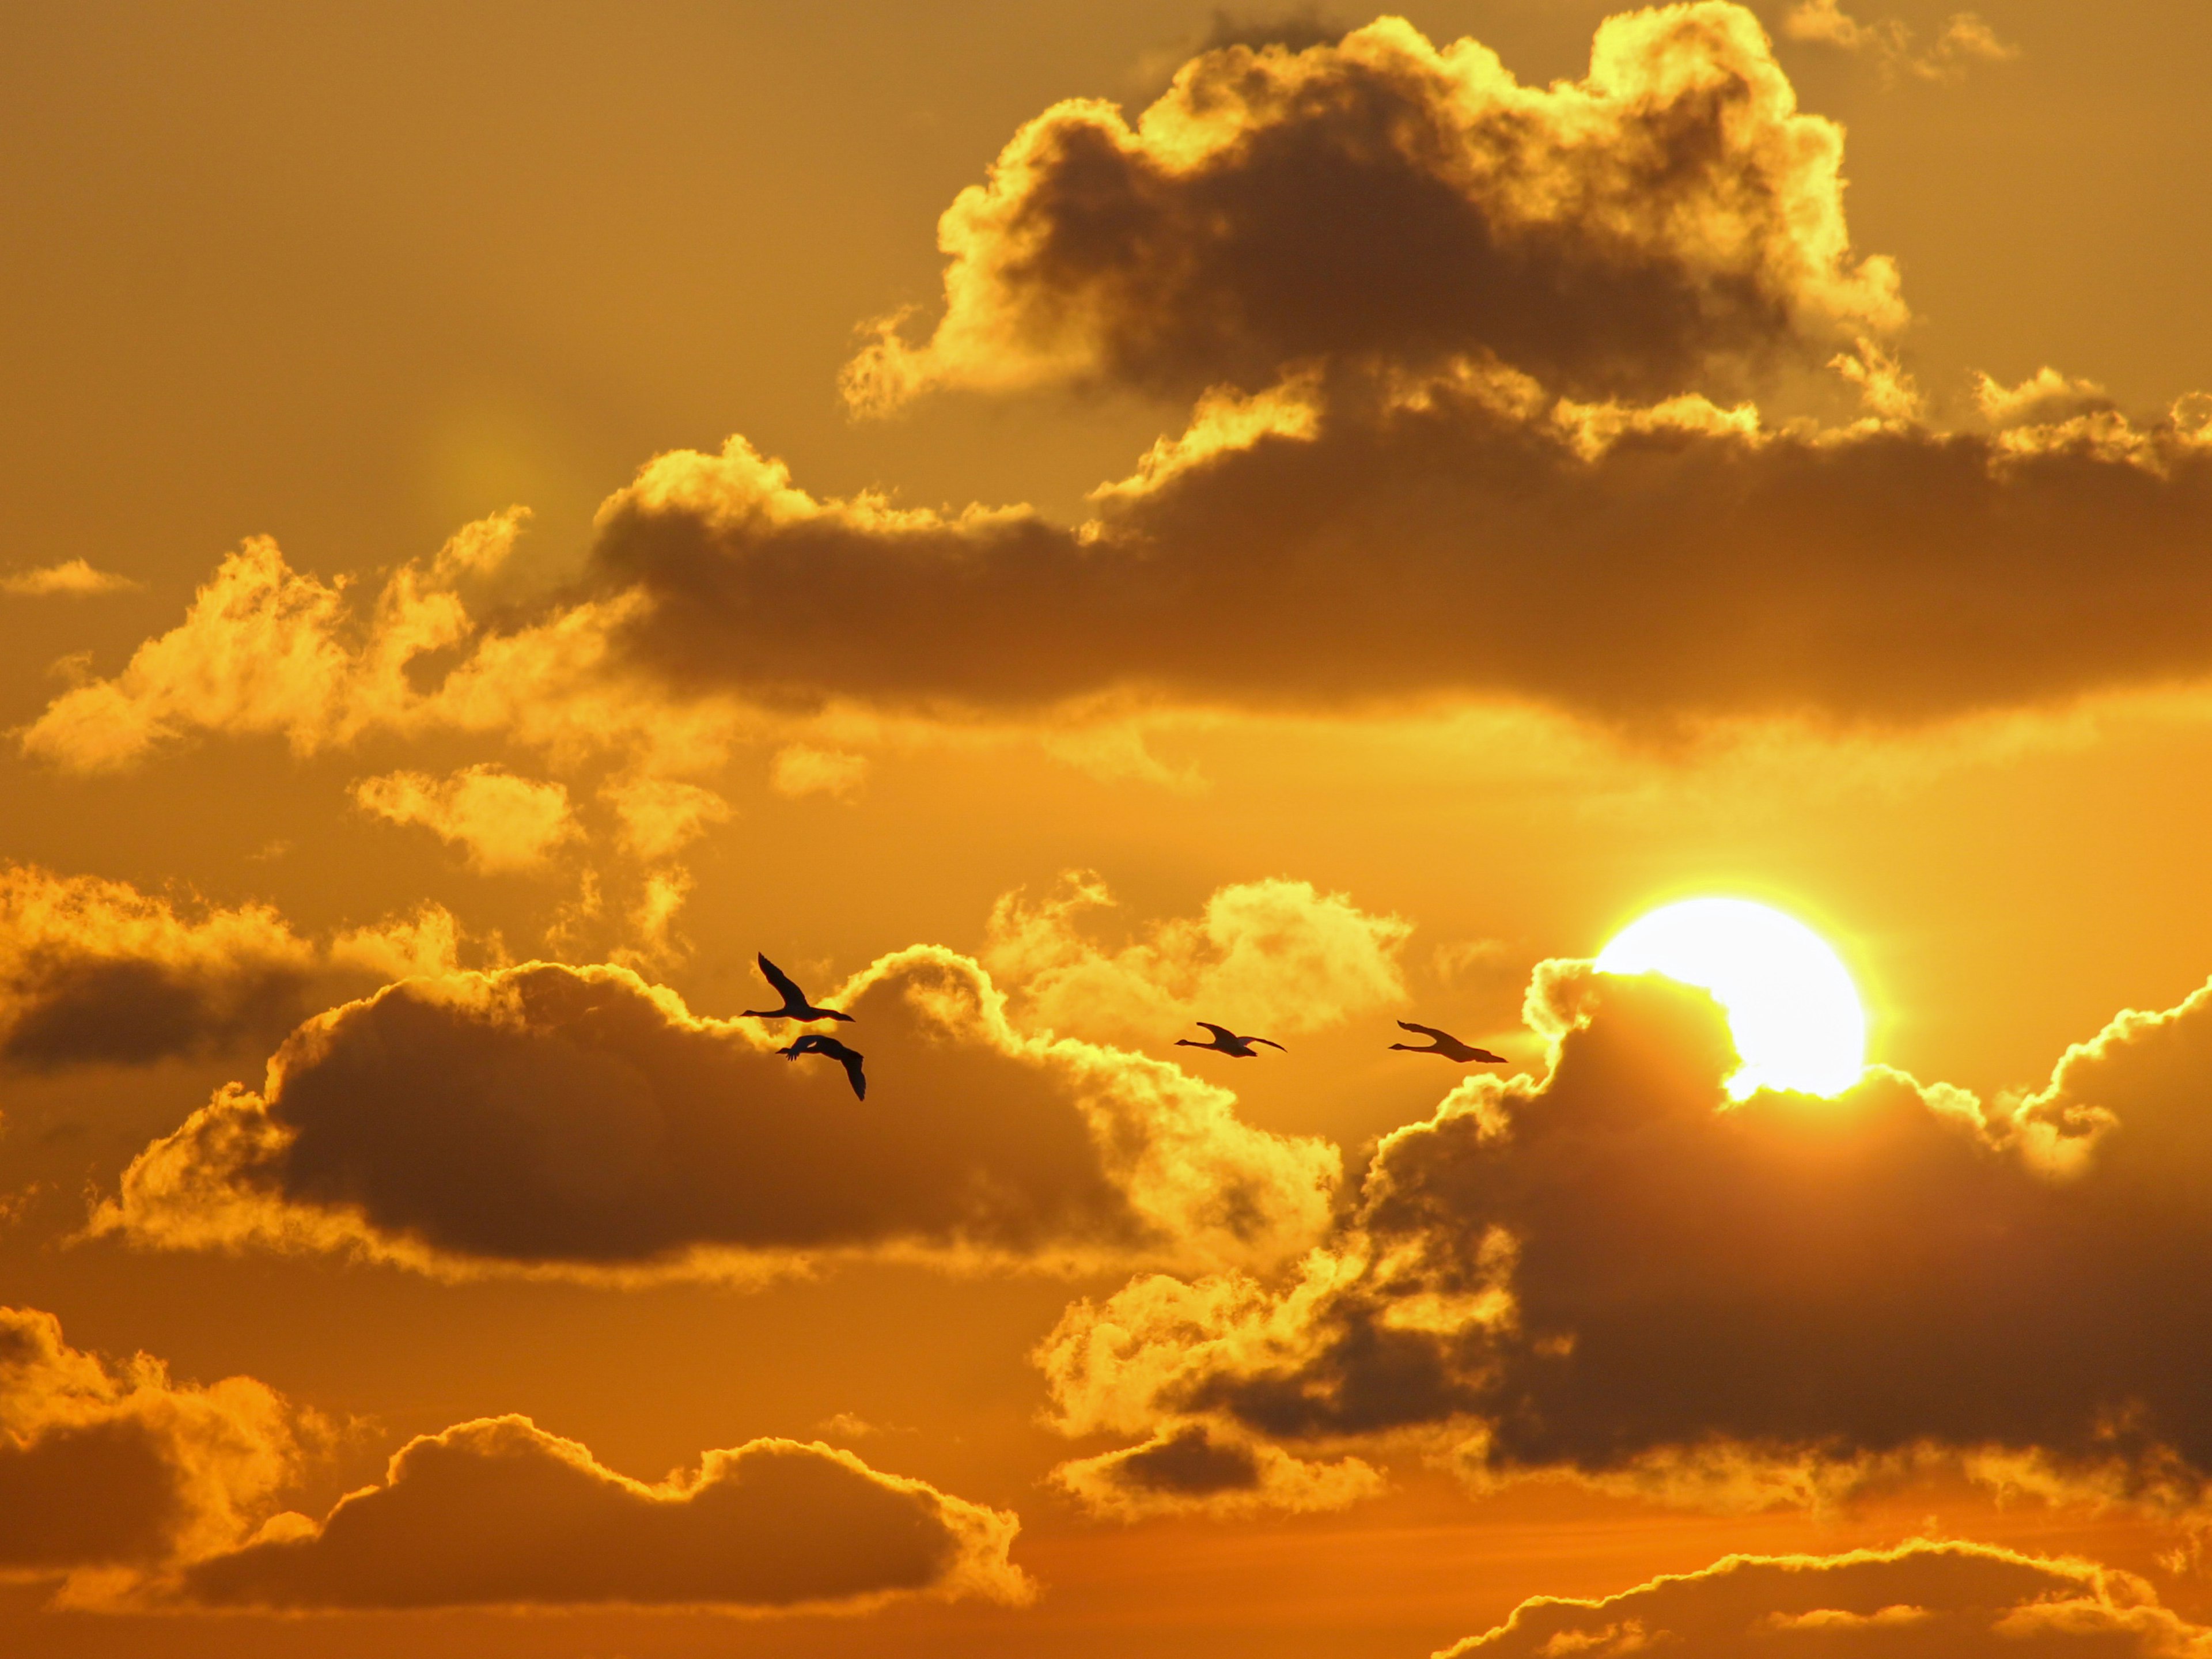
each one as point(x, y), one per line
point(1053, 524)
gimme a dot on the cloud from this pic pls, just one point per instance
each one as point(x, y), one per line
point(508, 824)
point(660, 817)
point(498, 1512)
point(1272, 956)
point(1672, 211)
point(800, 769)
point(96, 972)
point(1464, 536)
point(1614, 1274)
point(108, 1468)
point(1197, 1468)
point(1964, 40)
point(73, 579)
point(581, 1122)
point(1922, 1600)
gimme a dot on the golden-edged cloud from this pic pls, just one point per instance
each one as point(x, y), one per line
point(109, 1468)
point(582, 1123)
point(506, 823)
point(1892, 44)
point(1379, 195)
point(498, 1512)
point(1265, 956)
point(1922, 1600)
point(1617, 1274)
point(95, 972)
point(74, 579)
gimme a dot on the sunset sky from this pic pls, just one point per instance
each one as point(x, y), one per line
point(1054, 523)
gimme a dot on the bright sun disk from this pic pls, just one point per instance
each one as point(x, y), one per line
point(1791, 1004)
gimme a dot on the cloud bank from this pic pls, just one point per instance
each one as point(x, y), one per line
point(498, 1512)
point(582, 1123)
point(1922, 1600)
point(1617, 1274)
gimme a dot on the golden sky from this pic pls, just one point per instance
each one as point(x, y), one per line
point(1054, 524)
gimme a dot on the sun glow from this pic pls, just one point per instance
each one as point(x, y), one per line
point(1795, 1013)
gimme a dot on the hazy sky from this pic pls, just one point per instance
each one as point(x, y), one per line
point(1054, 524)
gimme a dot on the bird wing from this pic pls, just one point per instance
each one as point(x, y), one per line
point(1425, 1031)
point(792, 994)
point(853, 1071)
point(806, 1043)
point(1221, 1033)
point(1270, 1041)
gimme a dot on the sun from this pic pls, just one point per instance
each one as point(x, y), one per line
point(1795, 1014)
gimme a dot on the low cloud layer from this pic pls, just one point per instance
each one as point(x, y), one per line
point(112, 1468)
point(1271, 957)
point(1381, 196)
point(1617, 1274)
point(583, 1122)
point(1919, 1600)
point(498, 1512)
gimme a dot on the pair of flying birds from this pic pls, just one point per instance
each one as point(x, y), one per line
point(1226, 1041)
point(796, 1005)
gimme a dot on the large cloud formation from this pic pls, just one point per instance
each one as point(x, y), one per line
point(498, 1512)
point(1922, 1600)
point(1379, 196)
point(580, 1121)
point(1619, 1274)
point(111, 1468)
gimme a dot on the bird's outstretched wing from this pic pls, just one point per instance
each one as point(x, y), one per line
point(1270, 1041)
point(1425, 1031)
point(853, 1071)
point(792, 994)
point(1222, 1033)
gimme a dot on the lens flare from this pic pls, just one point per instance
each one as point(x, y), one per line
point(1795, 1013)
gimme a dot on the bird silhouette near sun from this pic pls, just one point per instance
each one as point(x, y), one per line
point(1226, 1041)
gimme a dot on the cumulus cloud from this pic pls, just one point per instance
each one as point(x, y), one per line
point(1922, 1600)
point(1380, 195)
point(582, 1123)
point(1964, 40)
point(1616, 1273)
point(73, 579)
point(109, 1468)
point(94, 971)
point(1462, 535)
point(265, 650)
point(498, 1512)
point(1265, 956)
point(507, 824)
point(1197, 1468)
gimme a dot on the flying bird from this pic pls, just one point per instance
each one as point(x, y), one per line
point(795, 1004)
point(1444, 1043)
point(1226, 1041)
point(813, 1043)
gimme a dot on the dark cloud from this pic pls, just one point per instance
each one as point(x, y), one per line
point(1380, 195)
point(106, 1466)
point(1920, 1601)
point(1617, 1273)
point(1342, 542)
point(547, 1118)
point(95, 972)
point(498, 1512)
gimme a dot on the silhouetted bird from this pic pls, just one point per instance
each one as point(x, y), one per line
point(1226, 1041)
point(1444, 1043)
point(813, 1043)
point(795, 1004)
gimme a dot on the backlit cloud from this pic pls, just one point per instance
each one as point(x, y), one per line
point(1922, 1600)
point(498, 1512)
point(1382, 196)
point(109, 1467)
point(506, 823)
point(1616, 1273)
point(1964, 40)
point(1273, 955)
point(582, 1123)
point(73, 579)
